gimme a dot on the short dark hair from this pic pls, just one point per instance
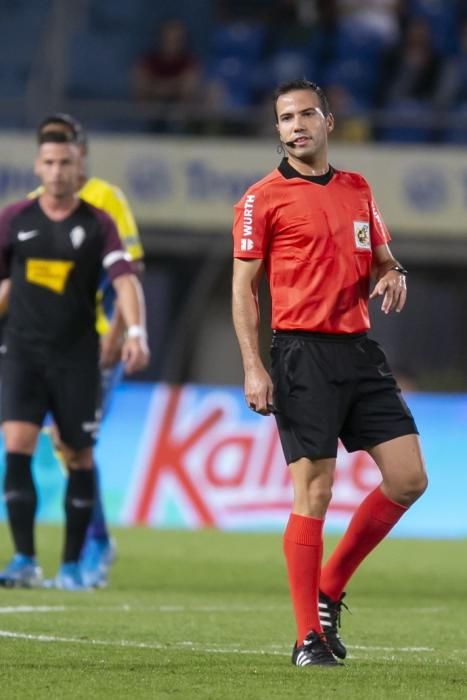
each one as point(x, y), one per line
point(77, 132)
point(301, 84)
point(55, 137)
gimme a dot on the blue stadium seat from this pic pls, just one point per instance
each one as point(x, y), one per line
point(119, 13)
point(359, 77)
point(355, 63)
point(289, 64)
point(351, 41)
point(241, 40)
point(457, 133)
point(234, 62)
point(21, 27)
point(409, 122)
point(98, 68)
point(236, 79)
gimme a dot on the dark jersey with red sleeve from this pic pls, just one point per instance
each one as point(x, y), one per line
point(55, 268)
point(316, 236)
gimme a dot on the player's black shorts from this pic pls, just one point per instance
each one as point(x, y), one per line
point(34, 385)
point(334, 386)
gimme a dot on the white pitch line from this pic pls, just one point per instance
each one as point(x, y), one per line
point(211, 648)
point(125, 607)
point(136, 608)
point(190, 646)
point(415, 611)
point(13, 609)
point(410, 650)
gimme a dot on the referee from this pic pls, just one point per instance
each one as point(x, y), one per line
point(317, 233)
point(54, 249)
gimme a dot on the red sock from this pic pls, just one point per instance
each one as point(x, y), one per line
point(370, 523)
point(303, 550)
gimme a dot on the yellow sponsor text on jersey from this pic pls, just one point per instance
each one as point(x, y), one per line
point(52, 274)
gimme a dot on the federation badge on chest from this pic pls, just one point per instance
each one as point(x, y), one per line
point(361, 234)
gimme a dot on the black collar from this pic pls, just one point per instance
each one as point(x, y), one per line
point(288, 172)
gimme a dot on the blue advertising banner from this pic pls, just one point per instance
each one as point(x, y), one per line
point(195, 456)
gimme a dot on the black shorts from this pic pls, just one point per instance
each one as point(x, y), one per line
point(32, 388)
point(328, 387)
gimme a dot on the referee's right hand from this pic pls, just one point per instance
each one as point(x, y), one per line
point(258, 390)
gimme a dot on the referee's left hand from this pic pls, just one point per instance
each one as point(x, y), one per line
point(393, 288)
point(135, 354)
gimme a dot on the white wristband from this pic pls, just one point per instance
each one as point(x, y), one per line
point(136, 332)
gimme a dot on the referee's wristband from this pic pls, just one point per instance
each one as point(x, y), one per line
point(135, 332)
point(400, 269)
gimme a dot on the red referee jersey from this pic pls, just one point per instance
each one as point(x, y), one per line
point(316, 236)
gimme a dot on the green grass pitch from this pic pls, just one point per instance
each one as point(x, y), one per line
point(206, 616)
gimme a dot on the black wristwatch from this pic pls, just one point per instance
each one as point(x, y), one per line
point(400, 269)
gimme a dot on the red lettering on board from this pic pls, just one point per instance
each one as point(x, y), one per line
point(167, 456)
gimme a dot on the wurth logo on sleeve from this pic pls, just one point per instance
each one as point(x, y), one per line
point(246, 242)
point(248, 215)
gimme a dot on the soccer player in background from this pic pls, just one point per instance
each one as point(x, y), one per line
point(99, 549)
point(319, 236)
point(53, 249)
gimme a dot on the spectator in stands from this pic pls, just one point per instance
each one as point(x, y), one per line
point(452, 95)
point(379, 17)
point(414, 67)
point(442, 17)
point(453, 88)
point(352, 122)
point(169, 74)
point(409, 87)
point(291, 24)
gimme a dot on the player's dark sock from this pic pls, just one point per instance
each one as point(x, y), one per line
point(370, 523)
point(303, 549)
point(79, 501)
point(21, 501)
point(97, 528)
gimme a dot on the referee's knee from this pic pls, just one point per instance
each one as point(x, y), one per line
point(312, 501)
point(408, 491)
point(416, 487)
